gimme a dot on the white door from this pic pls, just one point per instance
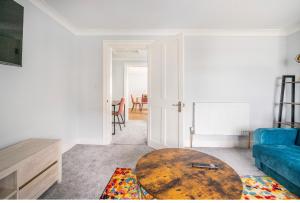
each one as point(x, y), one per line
point(166, 92)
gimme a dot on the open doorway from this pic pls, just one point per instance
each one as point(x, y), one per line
point(129, 96)
point(164, 91)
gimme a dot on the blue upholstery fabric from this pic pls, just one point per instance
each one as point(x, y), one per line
point(276, 153)
point(288, 185)
point(283, 159)
point(298, 138)
point(276, 136)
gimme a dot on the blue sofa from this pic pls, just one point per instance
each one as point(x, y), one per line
point(277, 154)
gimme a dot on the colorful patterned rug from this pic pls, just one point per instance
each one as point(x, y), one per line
point(264, 188)
point(123, 186)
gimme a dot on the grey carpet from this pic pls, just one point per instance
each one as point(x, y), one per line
point(135, 132)
point(87, 168)
point(239, 159)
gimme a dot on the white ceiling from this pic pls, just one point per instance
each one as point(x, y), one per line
point(178, 14)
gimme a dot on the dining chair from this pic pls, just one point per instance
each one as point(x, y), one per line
point(120, 112)
point(144, 101)
point(135, 103)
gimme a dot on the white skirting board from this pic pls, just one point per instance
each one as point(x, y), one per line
point(220, 124)
point(67, 146)
point(226, 141)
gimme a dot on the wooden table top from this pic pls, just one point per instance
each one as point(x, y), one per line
point(168, 174)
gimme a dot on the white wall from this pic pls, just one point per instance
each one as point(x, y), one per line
point(237, 69)
point(293, 49)
point(137, 81)
point(117, 79)
point(40, 99)
point(118, 76)
point(292, 68)
point(89, 87)
point(58, 92)
point(233, 69)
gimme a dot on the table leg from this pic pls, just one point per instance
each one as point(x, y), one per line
point(249, 139)
point(124, 115)
point(114, 132)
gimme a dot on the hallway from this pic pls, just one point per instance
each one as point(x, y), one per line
point(135, 132)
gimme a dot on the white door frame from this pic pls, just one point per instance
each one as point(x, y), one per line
point(108, 46)
point(182, 127)
point(125, 91)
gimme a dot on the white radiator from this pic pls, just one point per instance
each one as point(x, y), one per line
point(218, 124)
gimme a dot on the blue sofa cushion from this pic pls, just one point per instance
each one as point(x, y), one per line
point(275, 136)
point(283, 159)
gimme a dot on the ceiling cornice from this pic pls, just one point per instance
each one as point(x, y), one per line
point(43, 5)
point(292, 29)
point(186, 32)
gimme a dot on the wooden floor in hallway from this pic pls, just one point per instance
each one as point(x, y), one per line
point(137, 114)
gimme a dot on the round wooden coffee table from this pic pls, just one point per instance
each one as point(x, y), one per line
point(168, 174)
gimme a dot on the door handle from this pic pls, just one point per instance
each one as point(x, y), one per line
point(180, 105)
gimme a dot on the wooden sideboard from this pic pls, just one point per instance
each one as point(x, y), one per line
point(29, 168)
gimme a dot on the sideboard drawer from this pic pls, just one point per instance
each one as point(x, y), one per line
point(37, 163)
point(40, 184)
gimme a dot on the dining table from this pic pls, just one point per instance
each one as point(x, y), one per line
point(114, 104)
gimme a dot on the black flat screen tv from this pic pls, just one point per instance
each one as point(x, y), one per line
point(11, 32)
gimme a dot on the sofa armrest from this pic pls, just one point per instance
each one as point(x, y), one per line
point(275, 136)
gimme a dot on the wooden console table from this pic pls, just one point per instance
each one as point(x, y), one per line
point(29, 168)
